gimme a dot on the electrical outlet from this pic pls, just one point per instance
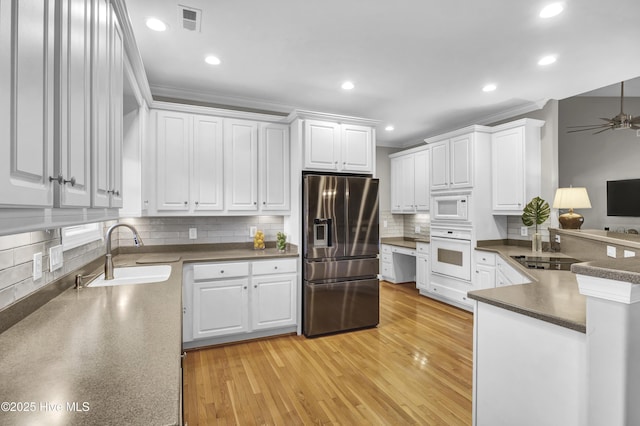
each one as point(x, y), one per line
point(611, 251)
point(417, 229)
point(56, 259)
point(524, 231)
point(193, 233)
point(252, 231)
point(557, 238)
point(37, 266)
point(629, 253)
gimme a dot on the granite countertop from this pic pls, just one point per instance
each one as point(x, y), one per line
point(625, 269)
point(114, 351)
point(551, 296)
point(403, 241)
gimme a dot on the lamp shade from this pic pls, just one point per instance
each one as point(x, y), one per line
point(571, 198)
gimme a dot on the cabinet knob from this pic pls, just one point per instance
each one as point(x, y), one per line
point(222, 271)
point(185, 203)
point(275, 267)
point(264, 202)
point(255, 202)
point(255, 286)
point(62, 181)
point(197, 202)
point(245, 287)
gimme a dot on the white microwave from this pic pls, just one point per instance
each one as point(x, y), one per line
point(450, 207)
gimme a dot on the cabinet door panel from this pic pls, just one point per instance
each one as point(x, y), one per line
point(507, 149)
point(396, 185)
point(241, 160)
point(208, 161)
point(73, 144)
point(485, 277)
point(461, 161)
point(172, 161)
point(408, 184)
point(220, 308)
point(26, 104)
point(273, 301)
point(440, 165)
point(421, 190)
point(356, 149)
point(116, 94)
point(322, 145)
point(274, 167)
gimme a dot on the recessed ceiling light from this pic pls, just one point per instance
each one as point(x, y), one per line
point(212, 60)
point(347, 85)
point(389, 128)
point(156, 25)
point(547, 60)
point(551, 10)
point(489, 88)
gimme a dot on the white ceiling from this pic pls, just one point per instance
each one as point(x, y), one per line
point(419, 65)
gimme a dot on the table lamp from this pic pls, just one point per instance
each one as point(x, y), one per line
point(571, 198)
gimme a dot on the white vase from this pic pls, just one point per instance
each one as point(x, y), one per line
point(536, 242)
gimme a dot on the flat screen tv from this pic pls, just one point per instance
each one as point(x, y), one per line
point(623, 198)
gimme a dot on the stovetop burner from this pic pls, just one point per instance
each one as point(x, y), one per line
point(552, 263)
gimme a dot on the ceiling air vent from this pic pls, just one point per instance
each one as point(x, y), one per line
point(189, 18)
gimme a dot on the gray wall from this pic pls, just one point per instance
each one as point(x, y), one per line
point(590, 160)
point(394, 223)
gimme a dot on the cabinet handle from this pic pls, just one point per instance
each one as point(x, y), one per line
point(62, 181)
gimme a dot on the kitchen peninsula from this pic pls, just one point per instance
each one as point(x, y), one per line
point(563, 341)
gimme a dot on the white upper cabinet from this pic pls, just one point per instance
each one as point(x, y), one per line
point(337, 147)
point(172, 171)
point(516, 165)
point(356, 148)
point(107, 64)
point(241, 160)
point(188, 162)
point(410, 181)
point(322, 145)
point(73, 105)
point(26, 104)
point(451, 163)
point(207, 193)
point(274, 167)
point(204, 164)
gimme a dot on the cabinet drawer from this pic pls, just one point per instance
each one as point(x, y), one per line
point(422, 248)
point(386, 249)
point(403, 250)
point(387, 257)
point(450, 293)
point(280, 266)
point(485, 258)
point(208, 271)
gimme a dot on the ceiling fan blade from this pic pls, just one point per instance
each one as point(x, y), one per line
point(636, 120)
point(594, 128)
point(606, 119)
point(635, 127)
point(590, 126)
point(603, 130)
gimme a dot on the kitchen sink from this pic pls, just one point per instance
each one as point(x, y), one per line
point(134, 275)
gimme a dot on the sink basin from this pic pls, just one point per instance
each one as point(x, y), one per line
point(134, 275)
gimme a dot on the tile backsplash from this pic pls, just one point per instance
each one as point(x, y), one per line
point(16, 261)
point(213, 229)
point(412, 221)
point(394, 222)
point(514, 223)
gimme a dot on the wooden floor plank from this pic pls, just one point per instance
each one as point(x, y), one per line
point(414, 368)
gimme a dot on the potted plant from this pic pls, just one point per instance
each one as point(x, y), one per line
point(536, 213)
point(281, 242)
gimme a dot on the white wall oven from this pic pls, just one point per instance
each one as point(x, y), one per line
point(451, 252)
point(450, 207)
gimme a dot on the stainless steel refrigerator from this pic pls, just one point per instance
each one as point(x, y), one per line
point(340, 249)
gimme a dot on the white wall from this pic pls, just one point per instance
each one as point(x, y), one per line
point(590, 160)
point(395, 222)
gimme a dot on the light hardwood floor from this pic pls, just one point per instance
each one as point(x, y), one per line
point(414, 368)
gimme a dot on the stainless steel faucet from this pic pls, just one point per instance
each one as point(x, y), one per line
point(108, 261)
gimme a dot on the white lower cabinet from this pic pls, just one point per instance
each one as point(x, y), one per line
point(422, 266)
point(485, 272)
point(507, 275)
point(234, 300)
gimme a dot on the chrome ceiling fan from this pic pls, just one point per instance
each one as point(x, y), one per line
point(620, 121)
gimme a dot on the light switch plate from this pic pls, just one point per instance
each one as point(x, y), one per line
point(37, 266)
point(611, 251)
point(193, 233)
point(524, 231)
point(252, 231)
point(417, 229)
point(56, 259)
